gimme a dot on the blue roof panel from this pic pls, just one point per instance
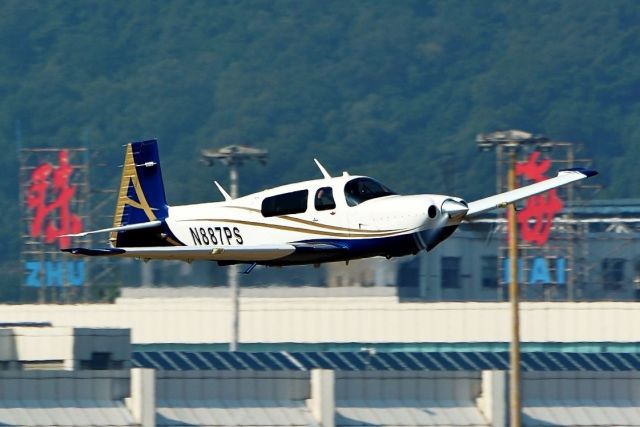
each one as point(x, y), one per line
point(215, 361)
point(398, 361)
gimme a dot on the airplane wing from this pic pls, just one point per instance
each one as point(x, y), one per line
point(503, 199)
point(215, 253)
point(243, 253)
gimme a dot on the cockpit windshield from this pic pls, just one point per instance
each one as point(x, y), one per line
point(360, 190)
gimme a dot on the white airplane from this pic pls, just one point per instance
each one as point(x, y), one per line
point(311, 222)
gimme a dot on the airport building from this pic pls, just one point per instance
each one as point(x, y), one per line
point(314, 357)
point(592, 254)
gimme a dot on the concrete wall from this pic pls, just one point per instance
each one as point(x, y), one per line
point(63, 385)
point(65, 345)
point(333, 319)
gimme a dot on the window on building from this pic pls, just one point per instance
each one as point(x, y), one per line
point(324, 199)
point(613, 273)
point(285, 204)
point(450, 272)
point(489, 271)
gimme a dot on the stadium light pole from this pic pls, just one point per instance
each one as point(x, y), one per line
point(234, 156)
point(511, 142)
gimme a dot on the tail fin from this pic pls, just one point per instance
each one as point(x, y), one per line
point(141, 198)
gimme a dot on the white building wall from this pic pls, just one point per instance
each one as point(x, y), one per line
point(326, 319)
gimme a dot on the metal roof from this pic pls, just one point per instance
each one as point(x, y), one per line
point(580, 413)
point(408, 413)
point(64, 413)
point(233, 413)
point(383, 361)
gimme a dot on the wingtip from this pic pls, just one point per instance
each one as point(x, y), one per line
point(584, 171)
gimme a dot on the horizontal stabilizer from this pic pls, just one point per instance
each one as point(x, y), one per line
point(501, 200)
point(150, 224)
point(94, 252)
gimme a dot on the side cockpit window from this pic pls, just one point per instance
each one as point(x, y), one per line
point(324, 199)
point(360, 190)
point(285, 204)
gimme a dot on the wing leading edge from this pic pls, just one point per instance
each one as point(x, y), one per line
point(564, 177)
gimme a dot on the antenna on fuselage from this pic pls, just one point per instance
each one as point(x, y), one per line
point(226, 195)
point(322, 169)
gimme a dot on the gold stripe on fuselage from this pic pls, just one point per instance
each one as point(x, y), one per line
point(354, 233)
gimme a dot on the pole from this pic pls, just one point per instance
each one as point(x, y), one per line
point(233, 271)
point(514, 378)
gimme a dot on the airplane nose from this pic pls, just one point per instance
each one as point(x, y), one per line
point(455, 209)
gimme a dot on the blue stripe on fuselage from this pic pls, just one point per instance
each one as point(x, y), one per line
point(396, 246)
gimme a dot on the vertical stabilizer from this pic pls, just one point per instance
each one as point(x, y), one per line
point(141, 197)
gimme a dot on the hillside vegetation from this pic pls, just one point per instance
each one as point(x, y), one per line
point(396, 90)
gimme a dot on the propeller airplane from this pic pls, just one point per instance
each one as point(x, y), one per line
point(312, 222)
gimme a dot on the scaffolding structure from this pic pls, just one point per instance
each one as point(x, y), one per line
point(38, 257)
point(566, 239)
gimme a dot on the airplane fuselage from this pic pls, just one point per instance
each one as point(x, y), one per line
point(387, 225)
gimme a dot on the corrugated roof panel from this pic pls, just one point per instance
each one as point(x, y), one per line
point(354, 360)
point(398, 361)
point(391, 361)
point(286, 360)
point(565, 361)
point(319, 361)
point(591, 363)
point(529, 362)
point(195, 359)
point(616, 361)
point(425, 361)
point(479, 359)
point(140, 360)
point(460, 361)
point(374, 362)
point(338, 361)
point(267, 360)
point(179, 361)
point(231, 359)
point(215, 361)
point(158, 359)
point(443, 361)
point(250, 360)
point(548, 362)
point(304, 360)
point(631, 359)
point(242, 412)
point(67, 413)
point(580, 412)
point(408, 413)
point(408, 361)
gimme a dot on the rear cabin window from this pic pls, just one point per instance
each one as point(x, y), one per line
point(324, 199)
point(285, 204)
point(360, 190)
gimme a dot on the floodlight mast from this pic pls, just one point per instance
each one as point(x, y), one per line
point(234, 156)
point(511, 142)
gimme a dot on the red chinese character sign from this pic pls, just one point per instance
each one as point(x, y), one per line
point(55, 191)
point(536, 218)
point(49, 196)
